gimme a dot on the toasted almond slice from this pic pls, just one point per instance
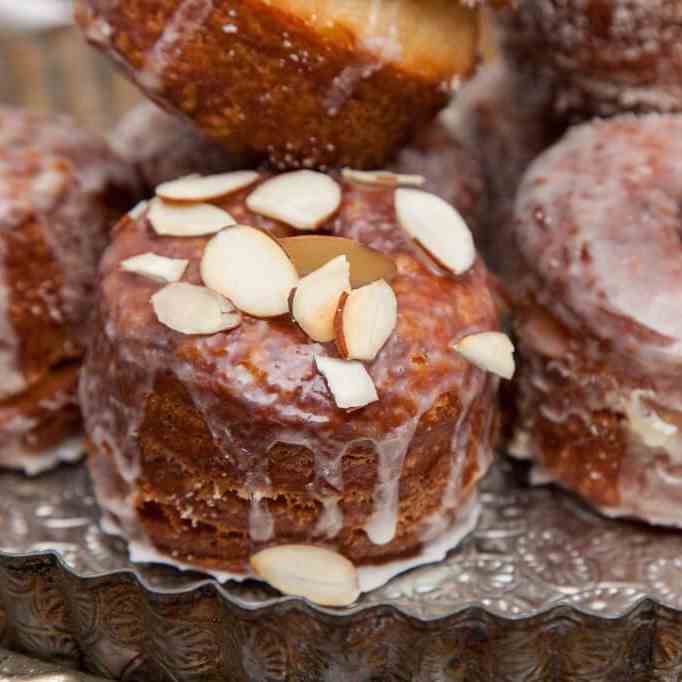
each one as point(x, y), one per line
point(311, 251)
point(193, 220)
point(249, 267)
point(138, 210)
point(491, 351)
point(191, 309)
point(438, 227)
point(316, 297)
point(156, 267)
point(348, 380)
point(196, 188)
point(318, 574)
point(303, 199)
point(365, 319)
point(382, 178)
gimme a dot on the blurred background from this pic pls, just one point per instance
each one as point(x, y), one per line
point(45, 65)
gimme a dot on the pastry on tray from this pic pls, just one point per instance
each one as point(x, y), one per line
point(293, 376)
point(597, 232)
point(609, 56)
point(61, 189)
point(296, 82)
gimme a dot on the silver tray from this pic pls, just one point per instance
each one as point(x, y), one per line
point(543, 589)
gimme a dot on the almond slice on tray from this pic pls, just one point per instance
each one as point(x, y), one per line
point(156, 267)
point(382, 178)
point(438, 228)
point(249, 267)
point(315, 299)
point(490, 351)
point(303, 199)
point(310, 252)
point(316, 573)
point(349, 382)
point(138, 210)
point(191, 220)
point(191, 309)
point(197, 188)
point(365, 319)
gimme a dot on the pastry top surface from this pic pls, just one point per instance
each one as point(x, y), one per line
point(597, 224)
point(267, 366)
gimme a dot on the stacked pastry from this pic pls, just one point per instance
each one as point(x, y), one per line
point(596, 234)
point(61, 189)
point(293, 374)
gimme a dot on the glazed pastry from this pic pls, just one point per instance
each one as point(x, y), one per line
point(60, 190)
point(221, 426)
point(609, 56)
point(163, 148)
point(597, 316)
point(503, 119)
point(299, 83)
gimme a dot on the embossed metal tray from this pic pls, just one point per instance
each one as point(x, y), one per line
point(544, 589)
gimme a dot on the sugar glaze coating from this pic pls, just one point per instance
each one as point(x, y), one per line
point(598, 236)
point(61, 188)
point(209, 448)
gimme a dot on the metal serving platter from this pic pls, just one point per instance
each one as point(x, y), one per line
point(542, 587)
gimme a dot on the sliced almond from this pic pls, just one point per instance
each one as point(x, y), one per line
point(318, 574)
point(365, 319)
point(195, 188)
point(191, 309)
point(303, 199)
point(138, 210)
point(193, 220)
point(156, 267)
point(349, 382)
point(491, 351)
point(249, 267)
point(437, 226)
point(310, 252)
point(382, 178)
point(316, 298)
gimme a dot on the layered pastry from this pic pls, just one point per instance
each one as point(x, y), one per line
point(503, 119)
point(597, 316)
point(60, 191)
point(293, 375)
point(297, 82)
point(609, 56)
point(163, 148)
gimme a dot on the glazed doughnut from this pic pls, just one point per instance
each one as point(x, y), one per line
point(597, 315)
point(205, 449)
point(503, 119)
point(163, 147)
point(60, 190)
point(610, 56)
point(298, 82)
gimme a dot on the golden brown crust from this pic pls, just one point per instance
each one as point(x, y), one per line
point(60, 190)
point(222, 420)
point(296, 82)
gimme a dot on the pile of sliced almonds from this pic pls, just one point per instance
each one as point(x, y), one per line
point(334, 288)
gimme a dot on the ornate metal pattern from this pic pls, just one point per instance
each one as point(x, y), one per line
point(543, 589)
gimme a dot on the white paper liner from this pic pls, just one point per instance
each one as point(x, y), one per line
point(32, 463)
point(370, 577)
